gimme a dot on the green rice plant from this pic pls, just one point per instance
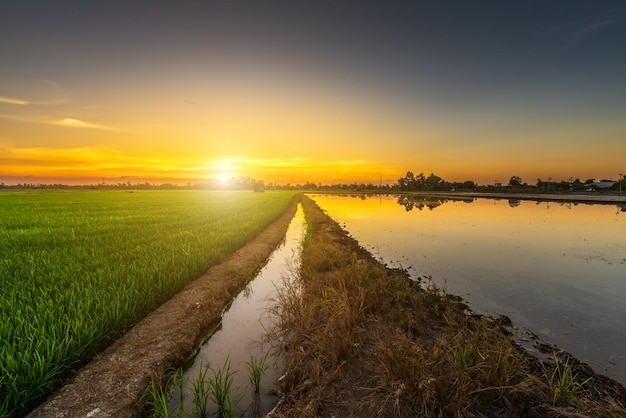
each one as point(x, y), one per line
point(158, 402)
point(563, 382)
point(256, 368)
point(220, 388)
point(159, 396)
point(78, 269)
point(201, 392)
point(179, 381)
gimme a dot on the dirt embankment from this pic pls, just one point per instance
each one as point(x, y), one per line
point(113, 383)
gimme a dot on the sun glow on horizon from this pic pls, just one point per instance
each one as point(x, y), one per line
point(223, 178)
point(89, 165)
point(71, 164)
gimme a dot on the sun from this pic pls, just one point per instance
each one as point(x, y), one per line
point(223, 177)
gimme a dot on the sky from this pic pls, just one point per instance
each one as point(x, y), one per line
point(320, 91)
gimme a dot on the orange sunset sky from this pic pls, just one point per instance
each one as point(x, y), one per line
point(328, 92)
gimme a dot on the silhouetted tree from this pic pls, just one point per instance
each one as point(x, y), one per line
point(258, 186)
point(515, 181)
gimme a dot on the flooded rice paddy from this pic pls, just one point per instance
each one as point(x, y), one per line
point(558, 270)
point(242, 332)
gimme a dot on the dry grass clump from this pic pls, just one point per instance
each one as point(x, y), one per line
point(362, 340)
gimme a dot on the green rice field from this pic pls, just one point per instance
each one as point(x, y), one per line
point(78, 269)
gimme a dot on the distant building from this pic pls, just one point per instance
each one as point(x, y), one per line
point(599, 185)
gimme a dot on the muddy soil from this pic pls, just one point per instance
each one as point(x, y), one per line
point(114, 382)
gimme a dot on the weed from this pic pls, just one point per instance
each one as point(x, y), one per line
point(563, 382)
point(159, 401)
point(159, 395)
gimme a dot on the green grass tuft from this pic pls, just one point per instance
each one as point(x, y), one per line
point(563, 382)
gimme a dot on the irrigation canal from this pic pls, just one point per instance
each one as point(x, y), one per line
point(242, 333)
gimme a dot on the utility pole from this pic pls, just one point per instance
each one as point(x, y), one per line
point(549, 181)
point(621, 177)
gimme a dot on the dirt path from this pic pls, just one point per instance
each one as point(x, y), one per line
point(113, 383)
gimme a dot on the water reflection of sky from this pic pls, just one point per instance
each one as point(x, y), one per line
point(555, 268)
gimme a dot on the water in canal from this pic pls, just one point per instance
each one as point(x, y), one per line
point(243, 328)
point(556, 269)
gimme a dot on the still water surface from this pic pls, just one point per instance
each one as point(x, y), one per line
point(243, 328)
point(556, 269)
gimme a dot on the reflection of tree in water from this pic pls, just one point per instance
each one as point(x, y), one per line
point(406, 202)
point(420, 202)
point(361, 196)
point(514, 203)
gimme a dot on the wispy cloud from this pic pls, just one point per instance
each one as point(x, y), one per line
point(274, 164)
point(25, 118)
point(21, 102)
point(596, 26)
point(66, 122)
point(52, 84)
point(579, 34)
point(34, 92)
point(68, 161)
point(13, 101)
point(75, 123)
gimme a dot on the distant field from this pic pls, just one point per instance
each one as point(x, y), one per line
point(78, 269)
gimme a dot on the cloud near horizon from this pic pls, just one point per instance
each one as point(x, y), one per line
point(110, 162)
point(296, 163)
point(300, 170)
point(66, 122)
point(75, 123)
point(11, 100)
point(23, 102)
point(62, 161)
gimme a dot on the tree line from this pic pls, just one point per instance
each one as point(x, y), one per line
point(432, 182)
point(420, 182)
point(241, 183)
point(410, 182)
